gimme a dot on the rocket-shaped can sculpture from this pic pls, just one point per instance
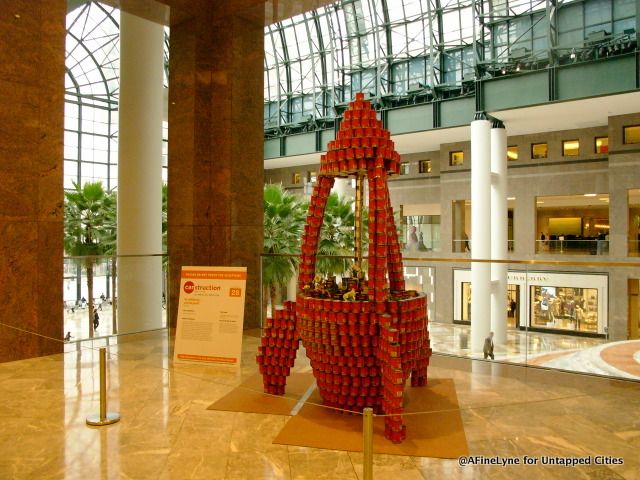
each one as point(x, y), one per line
point(367, 337)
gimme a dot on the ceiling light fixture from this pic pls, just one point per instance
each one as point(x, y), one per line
point(590, 194)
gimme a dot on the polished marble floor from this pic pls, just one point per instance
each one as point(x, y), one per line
point(567, 352)
point(166, 431)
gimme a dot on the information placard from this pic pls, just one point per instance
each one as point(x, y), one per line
point(210, 315)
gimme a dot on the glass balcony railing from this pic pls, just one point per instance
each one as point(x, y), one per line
point(573, 246)
point(570, 315)
point(106, 295)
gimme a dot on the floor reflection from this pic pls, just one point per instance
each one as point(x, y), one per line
point(166, 431)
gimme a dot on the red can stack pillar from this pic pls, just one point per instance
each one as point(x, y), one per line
point(278, 347)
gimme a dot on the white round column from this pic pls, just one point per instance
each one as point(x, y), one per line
point(481, 232)
point(499, 235)
point(140, 174)
point(292, 287)
point(342, 187)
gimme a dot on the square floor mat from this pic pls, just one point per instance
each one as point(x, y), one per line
point(249, 397)
point(434, 424)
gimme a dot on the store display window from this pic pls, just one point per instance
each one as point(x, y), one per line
point(512, 153)
point(295, 178)
point(404, 168)
point(421, 233)
point(564, 308)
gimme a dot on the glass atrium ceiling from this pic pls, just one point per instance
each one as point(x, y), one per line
point(396, 49)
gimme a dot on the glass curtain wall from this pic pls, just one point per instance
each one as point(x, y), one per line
point(91, 96)
point(407, 50)
point(92, 83)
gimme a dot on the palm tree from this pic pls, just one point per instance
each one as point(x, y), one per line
point(337, 236)
point(88, 229)
point(284, 217)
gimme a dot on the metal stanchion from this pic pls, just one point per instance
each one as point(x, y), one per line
point(104, 418)
point(367, 447)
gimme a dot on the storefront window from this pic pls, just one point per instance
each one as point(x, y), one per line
point(404, 168)
point(564, 308)
point(461, 222)
point(573, 225)
point(295, 179)
point(512, 153)
point(422, 233)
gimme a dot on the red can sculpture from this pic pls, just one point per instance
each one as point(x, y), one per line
point(366, 340)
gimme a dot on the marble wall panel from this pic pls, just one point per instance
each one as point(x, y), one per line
point(19, 289)
point(32, 38)
point(49, 295)
point(18, 126)
point(215, 117)
point(21, 26)
point(18, 191)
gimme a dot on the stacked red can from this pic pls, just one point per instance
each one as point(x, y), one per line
point(277, 350)
point(362, 351)
point(361, 141)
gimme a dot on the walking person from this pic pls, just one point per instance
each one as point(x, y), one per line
point(96, 319)
point(488, 347)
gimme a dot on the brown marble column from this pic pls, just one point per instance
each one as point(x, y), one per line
point(216, 147)
point(32, 36)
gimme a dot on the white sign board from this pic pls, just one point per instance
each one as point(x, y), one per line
point(210, 315)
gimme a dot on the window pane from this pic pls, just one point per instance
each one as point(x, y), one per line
point(539, 150)
point(570, 148)
point(456, 158)
point(632, 134)
point(602, 144)
point(425, 166)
